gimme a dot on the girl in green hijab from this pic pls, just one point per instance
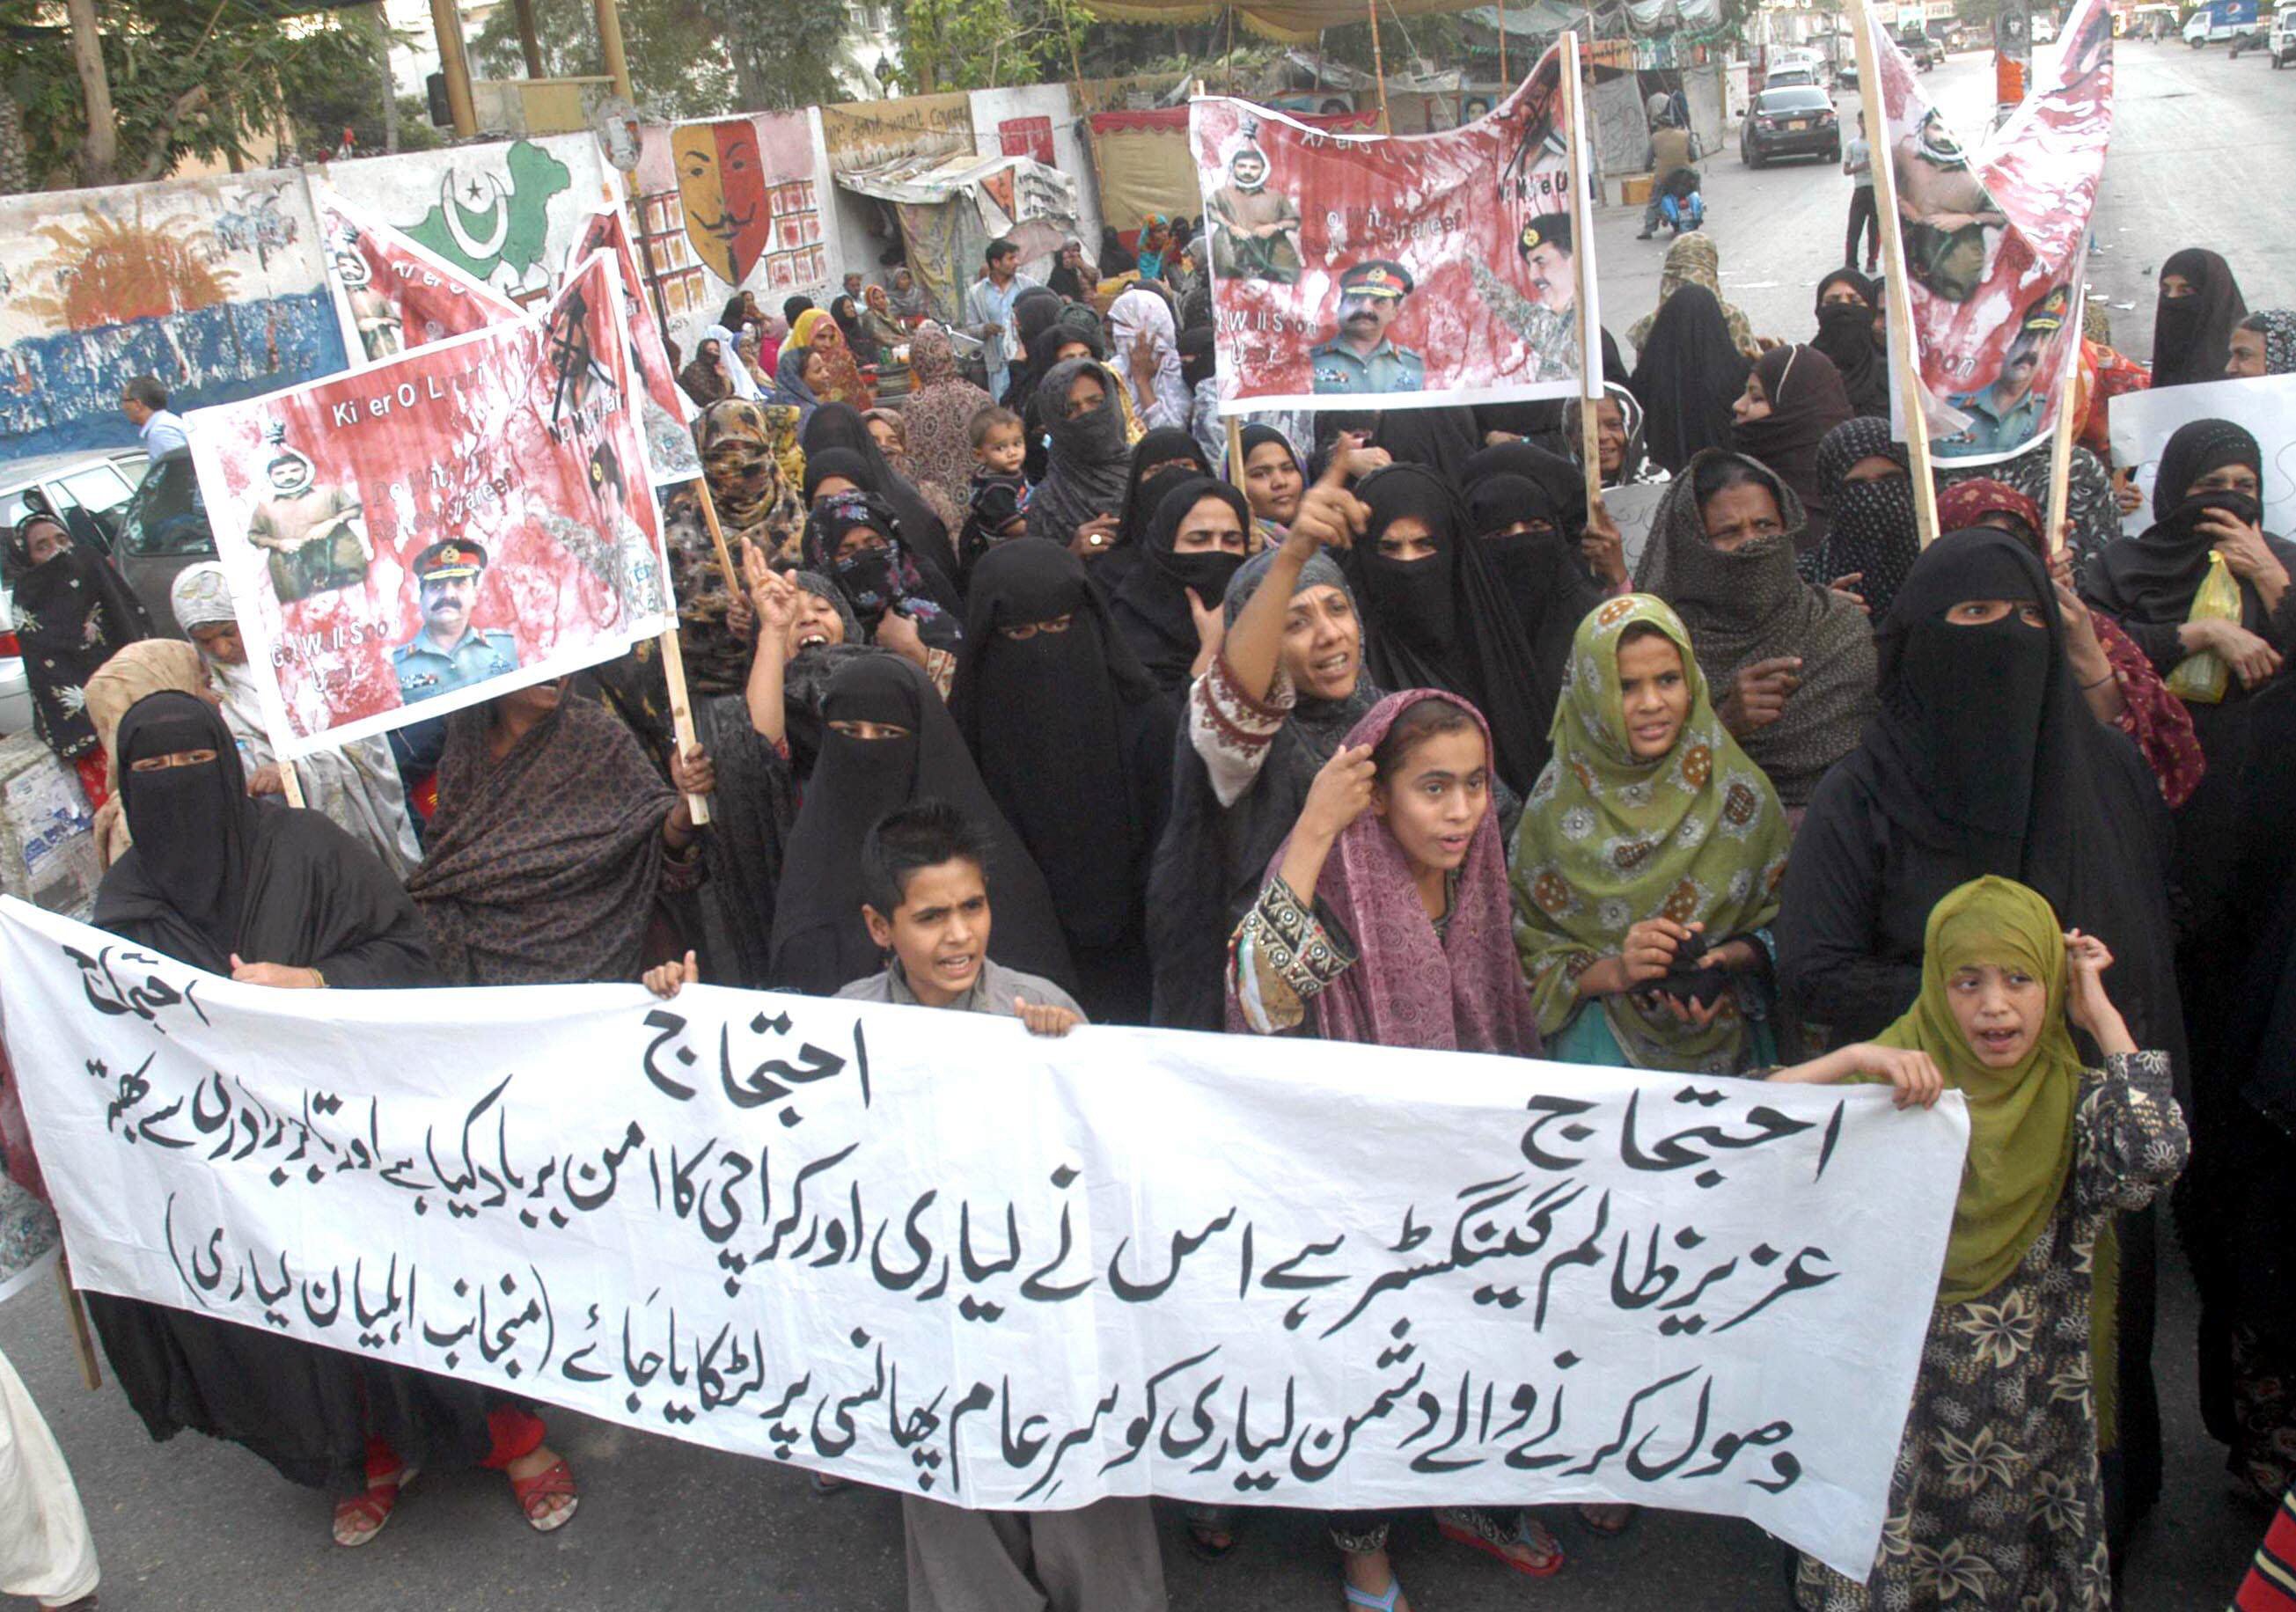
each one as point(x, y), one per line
point(1997, 1496)
point(1649, 836)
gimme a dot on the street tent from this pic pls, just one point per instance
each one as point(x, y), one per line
point(1147, 165)
point(951, 207)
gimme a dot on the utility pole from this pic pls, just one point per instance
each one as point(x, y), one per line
point(101, 154)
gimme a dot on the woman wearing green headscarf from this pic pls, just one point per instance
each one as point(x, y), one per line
point(1647, 864)
point(1996, 1500)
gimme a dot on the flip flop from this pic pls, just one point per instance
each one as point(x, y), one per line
point(1375, 1603)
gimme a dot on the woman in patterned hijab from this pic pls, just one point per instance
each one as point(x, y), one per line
point(1647, 864)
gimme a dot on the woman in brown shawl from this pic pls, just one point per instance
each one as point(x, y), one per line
point(753, 464)
point(553, 837)
point(937, 414)
point(1793, 662)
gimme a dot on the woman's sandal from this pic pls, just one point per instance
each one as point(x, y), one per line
point(1211, 1542)
point(373, 1508)
point(1546, 1550)
point(1627, 1515)
point(1374, 1603)
point(534, 1493)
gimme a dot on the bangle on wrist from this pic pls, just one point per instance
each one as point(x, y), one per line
point(2100, 682)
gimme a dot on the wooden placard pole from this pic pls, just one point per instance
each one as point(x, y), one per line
point(725, 565)
point(1378, 69)
point(75, 1320)
point(1582, 259)
point(681, 715)
point(1236, 452)
point(290, 785)
point(2060, 439)
point(1503, 72)
point(1905, 346)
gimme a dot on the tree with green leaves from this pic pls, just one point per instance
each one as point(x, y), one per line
point(673, 69)
point(183, 78)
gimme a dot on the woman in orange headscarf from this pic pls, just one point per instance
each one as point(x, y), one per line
point(816, 329)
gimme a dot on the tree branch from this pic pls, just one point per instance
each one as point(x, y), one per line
point(161, 158)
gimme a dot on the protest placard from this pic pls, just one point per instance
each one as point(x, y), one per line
point(393, 293)
point(1995, 242)
point(1357, 271)
point(445, 526)
point(2142, 422)
point(926, 1251)
point(663, 406)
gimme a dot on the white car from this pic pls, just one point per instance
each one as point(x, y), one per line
point(2044, 31)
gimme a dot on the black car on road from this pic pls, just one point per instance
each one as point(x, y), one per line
point(1796, 121)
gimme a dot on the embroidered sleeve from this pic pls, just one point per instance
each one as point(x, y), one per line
point(940, 669)
point(2129, 1133)
point(1281, 956)
point(1231, 730)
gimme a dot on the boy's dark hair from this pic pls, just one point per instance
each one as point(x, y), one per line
point(923, 834)
point(989, 419)
point(999, 248)
point(148, 390)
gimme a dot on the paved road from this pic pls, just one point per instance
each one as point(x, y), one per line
point(193, 1525)
point(2198, 138)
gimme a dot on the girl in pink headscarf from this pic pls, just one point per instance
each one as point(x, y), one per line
point(1385, 919)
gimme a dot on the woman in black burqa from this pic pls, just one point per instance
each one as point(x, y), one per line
point(888, 742)
point(281, 897)
point(839, 426)
point(2193, 324)
point(1687, 374)
point(1984, 759)
point(1153, 610)
point(1076, 747)
point(1443, 621)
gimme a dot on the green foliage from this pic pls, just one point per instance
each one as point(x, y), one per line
point(189, 78)
point(785, 52)
point(667, 42)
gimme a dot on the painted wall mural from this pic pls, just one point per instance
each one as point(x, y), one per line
point(214, 285)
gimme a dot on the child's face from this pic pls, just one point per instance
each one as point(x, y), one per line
point(939, 931)
point(1999, 1010)
point(1002, 452)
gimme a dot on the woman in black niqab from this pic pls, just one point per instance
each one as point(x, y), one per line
point(1441, 440)
point(1687, 374)
point(1985, 759)
point(75, 612)
point(1076, 747)
point(820, 944)
point(1540, 568)
point(213, 875)
point(1845, 334)
point(2192, 334)
point(1152, 611)
point(1446, 622)
point(839, 425)
point(1160, 459)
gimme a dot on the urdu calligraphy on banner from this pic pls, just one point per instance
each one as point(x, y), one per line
point(442, 527)
point(1355, 270)
point(925, 1251)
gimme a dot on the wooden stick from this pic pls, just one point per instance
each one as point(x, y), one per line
point(1236, 452)
point(1378, 69)
point(1503, 72)
point(681, 715)
point(2060, 439)
point(91, 1372)
point(1905, 346)
point(1582, 256)
point(290, 785)
point(718, 537)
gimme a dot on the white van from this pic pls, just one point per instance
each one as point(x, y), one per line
point(2283, 42)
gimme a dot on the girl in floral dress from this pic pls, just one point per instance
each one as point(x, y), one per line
point(1996, 1501)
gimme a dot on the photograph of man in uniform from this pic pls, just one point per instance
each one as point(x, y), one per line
point(1256, 237)
point(1544, 319)
point(382, 332)
point(1359, 357)
point(1945, 208)
point(2007, 414)
point(314, 538)
point(449, 653)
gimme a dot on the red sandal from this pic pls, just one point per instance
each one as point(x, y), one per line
point(552, 1483)
point(373, 1508)
point(1478, 1530)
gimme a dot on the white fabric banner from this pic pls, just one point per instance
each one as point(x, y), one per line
point(2142, 422)
point(927, 1251)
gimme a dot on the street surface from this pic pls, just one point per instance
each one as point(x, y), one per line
point(193, 1524)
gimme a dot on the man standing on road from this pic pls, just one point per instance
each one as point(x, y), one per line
point(1857, 162)
point(988, 310)
point(144, 402)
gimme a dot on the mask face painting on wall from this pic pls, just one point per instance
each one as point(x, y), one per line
point(721, 184)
